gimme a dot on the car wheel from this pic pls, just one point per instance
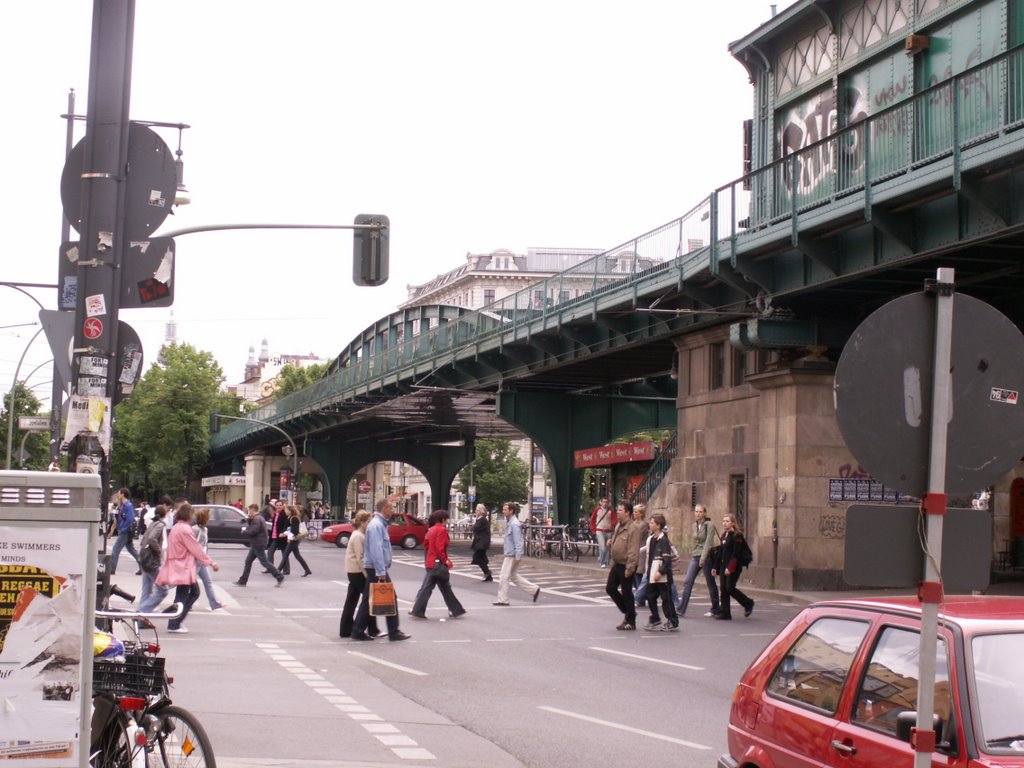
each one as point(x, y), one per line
point(342, 540)
point(409, 542)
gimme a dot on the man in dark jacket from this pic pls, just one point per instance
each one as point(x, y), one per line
point(255, 535)
point(278, 537)
point(623, 550)
point(482, 540)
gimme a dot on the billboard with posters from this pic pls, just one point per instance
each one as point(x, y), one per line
point(47, 584)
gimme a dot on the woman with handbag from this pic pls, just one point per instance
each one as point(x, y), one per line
point(437, 564)
point(294, 534)
point(659, 576)
point(728, 568)
point(356, 576)
point(704, 539)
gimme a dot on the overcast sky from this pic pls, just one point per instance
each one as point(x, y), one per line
point(472, 125)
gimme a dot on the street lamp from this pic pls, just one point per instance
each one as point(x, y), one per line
point(215, 426)
point(10, 407)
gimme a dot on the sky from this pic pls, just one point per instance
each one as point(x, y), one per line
point(472, 125)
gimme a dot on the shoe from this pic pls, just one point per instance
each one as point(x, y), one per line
point(669, 627)
point(286, 573)
point(280, 581)
point(373, 635)
point(499, 603)
point(709, 614)
point(216, 607)
point(604, 566)
point(748, 610)
point(138, 572)
point(396, 636)
point(178, 630)
point(345, 634)
point(723, 617)
point(456, 615)
point(417, 615)
point(361, 637)
point(653, 626)
point(240, 583)
point(536, 594)
point(307, 573)
point(265, 570)
point(626, 627)
point(488, 577)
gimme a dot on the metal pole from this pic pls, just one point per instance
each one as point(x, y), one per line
point(57, 391)
point(14, 388)
point(931, 588)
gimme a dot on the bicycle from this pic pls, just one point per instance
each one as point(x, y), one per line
point(313, 528)
point(134, 722)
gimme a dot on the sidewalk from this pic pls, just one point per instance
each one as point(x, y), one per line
point(1009, 583)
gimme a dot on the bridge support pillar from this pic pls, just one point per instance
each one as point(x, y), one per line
point(438, 463)
point(563, 424)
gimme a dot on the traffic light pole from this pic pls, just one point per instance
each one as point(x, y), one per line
point(104, 169)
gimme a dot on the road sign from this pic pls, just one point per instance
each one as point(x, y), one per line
point(883, 389)
point(34, 423)
point(365, 486)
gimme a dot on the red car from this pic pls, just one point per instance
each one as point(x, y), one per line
point(838, 687)
point(404, 530)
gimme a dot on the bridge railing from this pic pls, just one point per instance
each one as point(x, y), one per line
point(976, 105)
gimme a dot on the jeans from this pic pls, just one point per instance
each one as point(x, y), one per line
point(155, 596)
point(602, 547)
point(186, 594)
point(257, 553)
point(207, 579)
point(433, 579)
point(293, 549)
point(691, 576)
point(356, 587)
point(363, 614)
point(641, 593)
point(278, 543)
point(620, 590)
point(124, 541)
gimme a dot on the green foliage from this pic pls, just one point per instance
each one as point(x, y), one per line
point(292, 378)
point(162, 432)
point(37, 444)
point(497, 472)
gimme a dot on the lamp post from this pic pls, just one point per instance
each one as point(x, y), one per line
point(295, 453)
point(10, 407)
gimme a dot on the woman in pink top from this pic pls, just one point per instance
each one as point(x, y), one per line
point(179, 568)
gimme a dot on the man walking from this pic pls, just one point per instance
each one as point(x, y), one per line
point(602, 523)
point(514, 548)
point(623, 550)
point(482, 540)
point(255, 535)
point(124, 522)
point(376, 562)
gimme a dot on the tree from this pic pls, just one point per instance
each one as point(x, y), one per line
point(37, 444)
point(162, 432)
point(292, 378)
point(497, 472)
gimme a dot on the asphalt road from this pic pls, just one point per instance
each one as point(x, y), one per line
point(551, 683)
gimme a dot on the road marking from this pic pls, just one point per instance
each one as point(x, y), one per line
point(628, 729)
point(647, 658)
point(504, 640)
point(391, 664)
point(453, 641)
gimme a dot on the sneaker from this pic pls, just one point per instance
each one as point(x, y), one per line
point(653, 626)
point(709, 614)
point(626, 626)
point(669, 627)
point(417, 615)
point(216, 607)
point(240, 583)
point(749, 609)
point(361, 637)
point(178, 630)
point(280, 581)
point(456, 615)
point(396, 636)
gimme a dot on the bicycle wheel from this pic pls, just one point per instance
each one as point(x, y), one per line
point(180, 741)
point(110, 747)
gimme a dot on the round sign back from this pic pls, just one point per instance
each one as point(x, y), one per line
point(883, 393)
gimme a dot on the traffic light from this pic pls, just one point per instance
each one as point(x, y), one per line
point(370, 250)
point(214, 423)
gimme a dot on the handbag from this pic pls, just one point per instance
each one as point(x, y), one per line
point(303, 531)
point(383, 601)
point(441, 571)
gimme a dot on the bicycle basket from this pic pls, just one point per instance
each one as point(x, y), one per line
point(135, 676)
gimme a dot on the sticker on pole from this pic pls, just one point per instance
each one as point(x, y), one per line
point(92, 328)
point(1004, 396)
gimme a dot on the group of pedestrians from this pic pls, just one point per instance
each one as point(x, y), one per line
point(642, 557)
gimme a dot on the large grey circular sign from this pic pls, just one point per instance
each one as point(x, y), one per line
point(883, 393)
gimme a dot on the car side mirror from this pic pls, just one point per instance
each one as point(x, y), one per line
point(907, 721)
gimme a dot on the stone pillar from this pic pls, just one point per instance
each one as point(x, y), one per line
point(799, 537)
point(257, 479)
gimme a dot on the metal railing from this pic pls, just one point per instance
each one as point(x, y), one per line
point(970, 108)
point(656, 472)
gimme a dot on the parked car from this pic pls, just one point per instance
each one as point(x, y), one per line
point(838, 686)
point(225, 526)
point(404, 530)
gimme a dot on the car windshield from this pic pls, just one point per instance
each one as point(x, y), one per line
point(999, 682)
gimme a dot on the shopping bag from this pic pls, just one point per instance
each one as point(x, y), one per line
point(382, 599)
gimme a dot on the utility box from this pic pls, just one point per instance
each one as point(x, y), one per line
point(49, 540)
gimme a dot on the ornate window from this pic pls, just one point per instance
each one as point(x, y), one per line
point(871, 22)
point(806, 60)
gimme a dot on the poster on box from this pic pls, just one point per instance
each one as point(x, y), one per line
point(42, 613)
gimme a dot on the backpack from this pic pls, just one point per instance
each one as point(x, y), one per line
point(743, 555)
point(303, 531)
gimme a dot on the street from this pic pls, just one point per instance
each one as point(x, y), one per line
point(523, 685)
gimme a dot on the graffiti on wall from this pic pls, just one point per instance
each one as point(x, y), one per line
point(832, 526)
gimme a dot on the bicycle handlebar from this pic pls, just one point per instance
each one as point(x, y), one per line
point(174, 612)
